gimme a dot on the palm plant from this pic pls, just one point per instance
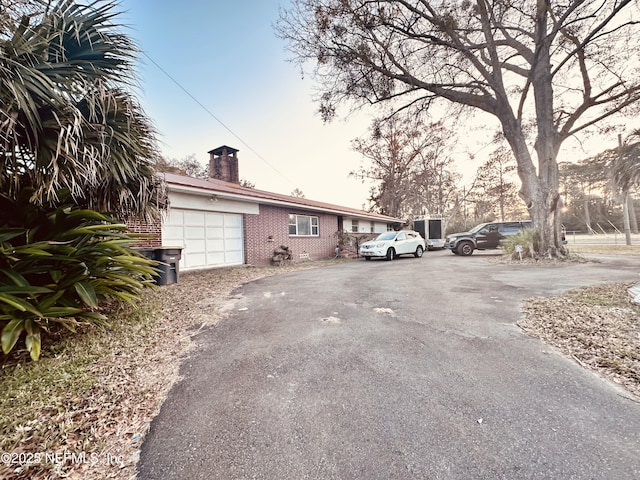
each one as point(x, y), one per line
point(67, 117)
point(73, 143)
point(627, 164)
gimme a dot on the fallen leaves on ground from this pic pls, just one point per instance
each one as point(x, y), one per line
point(599, 327)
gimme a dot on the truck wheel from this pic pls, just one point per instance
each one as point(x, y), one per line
point(419, 251)
point(465, 248)
point(367, 258)
point(391, 254)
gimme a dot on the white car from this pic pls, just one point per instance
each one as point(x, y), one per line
point(393, 244)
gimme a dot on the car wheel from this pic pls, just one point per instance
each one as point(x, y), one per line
point(465, 248)
point(391, 254)
point(367, 258)
point(419, 252)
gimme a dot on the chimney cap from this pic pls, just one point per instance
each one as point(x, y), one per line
point(219, 150)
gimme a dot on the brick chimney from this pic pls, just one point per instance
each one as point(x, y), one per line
point(223, 164)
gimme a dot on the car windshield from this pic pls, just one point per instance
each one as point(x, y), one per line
point(386, 236)
point(477, 228)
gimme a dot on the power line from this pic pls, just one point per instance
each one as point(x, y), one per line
point(216, 118)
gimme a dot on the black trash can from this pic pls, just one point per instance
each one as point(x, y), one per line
point(148, 252)
point(169, 264)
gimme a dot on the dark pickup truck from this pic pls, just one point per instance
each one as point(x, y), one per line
point(484, 236)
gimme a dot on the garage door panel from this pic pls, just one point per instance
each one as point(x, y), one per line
point(215, 245)
point(217, 258)
point(232, 233)
point(194, 232)
point(175, 217)
point(196, 244)
point(172, 234)
point(193, 260)
point(234, 258)
point(215, 232)
point(232, 221)
point(193, 217)
point(209, 238)
point(215, 219)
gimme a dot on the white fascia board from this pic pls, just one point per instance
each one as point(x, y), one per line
point(311, 208)
point(269, 201)
point(372, 219)
point(210, 202)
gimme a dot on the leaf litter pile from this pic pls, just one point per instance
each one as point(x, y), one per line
point(599, 327)
point(83, 410)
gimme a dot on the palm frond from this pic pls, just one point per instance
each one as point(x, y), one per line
point(68, 119)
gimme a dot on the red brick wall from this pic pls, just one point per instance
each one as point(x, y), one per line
point(274, 222)
point(153, 230)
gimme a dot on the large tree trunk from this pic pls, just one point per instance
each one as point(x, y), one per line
point(541, 191)
point(544, 208)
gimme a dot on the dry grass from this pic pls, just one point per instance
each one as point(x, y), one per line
point(585, 249)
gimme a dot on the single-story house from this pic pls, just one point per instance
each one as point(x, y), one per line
point(218, 222)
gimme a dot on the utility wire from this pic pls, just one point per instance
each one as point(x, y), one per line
point(216, 118)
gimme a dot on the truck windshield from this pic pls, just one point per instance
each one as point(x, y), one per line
point(477, 228)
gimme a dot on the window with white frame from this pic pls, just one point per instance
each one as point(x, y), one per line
point(303, 225)
point(354, 226)
point(373, 227)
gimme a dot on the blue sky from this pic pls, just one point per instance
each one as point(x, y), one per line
point(227, 56)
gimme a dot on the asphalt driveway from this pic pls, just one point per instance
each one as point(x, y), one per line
point(410, 369)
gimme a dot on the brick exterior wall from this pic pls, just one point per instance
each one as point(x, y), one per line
point(153, 230)
point(274, 222)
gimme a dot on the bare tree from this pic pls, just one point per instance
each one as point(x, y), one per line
point(583, 183)
point(627, 166)
point(435, 179)
point(407, 162)
point(389, 153)
point(495, 187)
point(545, 70)
point(189, 166)
point(626, 175)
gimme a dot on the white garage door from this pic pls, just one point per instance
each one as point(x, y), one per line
point(209, 239)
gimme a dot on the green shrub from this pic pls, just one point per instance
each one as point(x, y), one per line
point(528, 239)
point(58, 265)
